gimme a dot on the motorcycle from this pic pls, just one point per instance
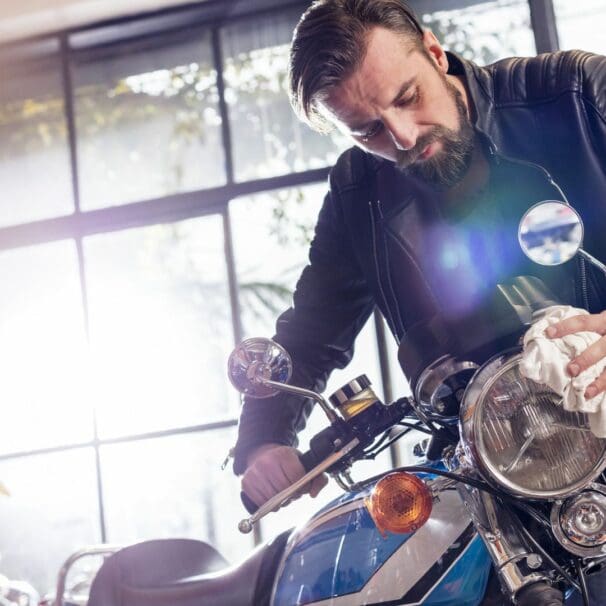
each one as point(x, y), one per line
point(507, 504)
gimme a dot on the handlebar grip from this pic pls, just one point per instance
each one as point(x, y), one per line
point(248, 503)
point(308, 460)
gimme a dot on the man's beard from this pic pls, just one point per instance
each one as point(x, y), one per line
point(450, 164)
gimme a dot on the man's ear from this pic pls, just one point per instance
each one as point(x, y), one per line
point(435, 51)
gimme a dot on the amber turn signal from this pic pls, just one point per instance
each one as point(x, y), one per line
point(399, 503)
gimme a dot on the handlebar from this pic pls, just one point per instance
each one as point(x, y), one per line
point(332, 438)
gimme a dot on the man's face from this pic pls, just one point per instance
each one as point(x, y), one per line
point(401, 106)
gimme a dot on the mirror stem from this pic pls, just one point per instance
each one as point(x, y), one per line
point(299, 391)
point(592, 260)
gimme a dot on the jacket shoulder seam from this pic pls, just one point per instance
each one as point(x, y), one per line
point(356, 179)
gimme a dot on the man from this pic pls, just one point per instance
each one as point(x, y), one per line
point(421, 215)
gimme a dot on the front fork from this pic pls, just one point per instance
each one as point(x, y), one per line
point(515, 562)
point(518, 566)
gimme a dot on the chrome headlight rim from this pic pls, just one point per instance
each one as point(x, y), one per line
point(472, 435)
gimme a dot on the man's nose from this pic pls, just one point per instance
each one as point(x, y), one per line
point(403, 135)
point(401, 147)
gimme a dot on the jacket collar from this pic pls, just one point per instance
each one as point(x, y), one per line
point(480, 88)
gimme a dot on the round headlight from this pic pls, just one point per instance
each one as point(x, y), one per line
point(520, 437)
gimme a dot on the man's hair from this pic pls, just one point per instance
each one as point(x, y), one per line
point(329, 44)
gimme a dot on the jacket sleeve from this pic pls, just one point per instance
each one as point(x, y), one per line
point(331, 303)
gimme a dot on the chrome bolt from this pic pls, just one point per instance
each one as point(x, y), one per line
point(534, 561)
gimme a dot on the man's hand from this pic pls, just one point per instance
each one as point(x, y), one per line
point(272, 468)
point(594, 353)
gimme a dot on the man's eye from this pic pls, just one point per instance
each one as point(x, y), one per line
point(409, 100)
point(372, 132)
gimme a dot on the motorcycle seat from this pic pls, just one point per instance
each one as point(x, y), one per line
point(183, 572)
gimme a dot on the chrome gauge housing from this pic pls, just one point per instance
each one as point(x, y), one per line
point(440, 387)
point(520, 437)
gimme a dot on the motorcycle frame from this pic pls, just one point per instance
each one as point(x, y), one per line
point(92, 550)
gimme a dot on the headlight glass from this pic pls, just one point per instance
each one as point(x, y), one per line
point(521, 436)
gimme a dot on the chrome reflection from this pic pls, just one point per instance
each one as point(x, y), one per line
point(579, 523)
point(255, 361)
point(440, 388)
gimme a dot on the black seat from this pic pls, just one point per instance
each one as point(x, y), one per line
point(183, 572)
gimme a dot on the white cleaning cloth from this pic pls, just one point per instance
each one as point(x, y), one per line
point(544, 360)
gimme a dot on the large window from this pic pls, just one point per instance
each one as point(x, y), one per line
point(158, 198)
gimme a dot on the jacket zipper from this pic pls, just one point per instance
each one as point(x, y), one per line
point(583, 274)
point(397, 327)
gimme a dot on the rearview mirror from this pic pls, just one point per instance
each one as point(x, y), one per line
point(255, 361)
point(551, 233)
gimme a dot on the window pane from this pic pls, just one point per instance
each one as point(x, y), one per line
point(268, 139)
point(35, 175)
point(147, 121)
point(44, 387)
point(271, 234)
point(160, 326)
point(180, 491)
point(581, 24)
point(485, 32)
point(51, 512)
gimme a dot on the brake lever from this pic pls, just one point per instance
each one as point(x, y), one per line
point(308, 460)
point(246, 525)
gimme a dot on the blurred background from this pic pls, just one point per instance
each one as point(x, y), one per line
point(157, 197)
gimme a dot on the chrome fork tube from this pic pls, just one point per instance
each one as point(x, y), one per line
point(513, 559)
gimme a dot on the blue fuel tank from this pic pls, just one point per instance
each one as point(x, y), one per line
point(339, 558)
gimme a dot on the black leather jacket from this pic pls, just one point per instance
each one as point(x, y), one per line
point(373, 235)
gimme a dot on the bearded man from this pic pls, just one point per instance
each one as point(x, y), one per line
point(422, 213)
